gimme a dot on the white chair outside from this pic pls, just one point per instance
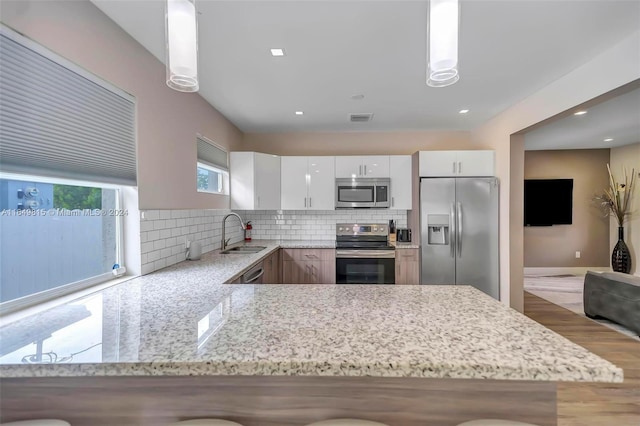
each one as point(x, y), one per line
point(206, 422)
point(40, 422)
point(494, 422)
point(346, 422)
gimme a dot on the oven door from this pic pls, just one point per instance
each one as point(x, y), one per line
point(365, 267)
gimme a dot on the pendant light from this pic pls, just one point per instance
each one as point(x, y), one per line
point(442, 43)
point(182, 45)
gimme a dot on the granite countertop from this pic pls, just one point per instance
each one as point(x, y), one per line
point(402, 245)
point(183, 321)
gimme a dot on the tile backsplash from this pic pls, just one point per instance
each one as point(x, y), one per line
point(313, 225)
point(164, 233)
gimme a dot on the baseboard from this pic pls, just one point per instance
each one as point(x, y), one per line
point(581, 270)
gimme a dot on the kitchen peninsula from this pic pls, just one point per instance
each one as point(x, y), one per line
point(179, 344)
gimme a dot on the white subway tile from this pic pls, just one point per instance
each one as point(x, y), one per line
point(166, 252)
point(159, 264)
point(147, 268)
point(153, 256)
point(146, 225)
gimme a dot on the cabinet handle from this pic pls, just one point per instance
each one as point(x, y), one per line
point(459, 167)
point(454, 167)
point(360, 170)
point(309, 201)
point(258, 201)
point(365, 169)
point(392, 201)
point(305, 201)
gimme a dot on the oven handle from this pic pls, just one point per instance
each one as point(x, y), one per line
point(365, 254)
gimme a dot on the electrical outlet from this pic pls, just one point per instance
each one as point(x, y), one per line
point(577, 255)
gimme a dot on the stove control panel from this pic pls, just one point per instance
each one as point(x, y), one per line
point(362, 229)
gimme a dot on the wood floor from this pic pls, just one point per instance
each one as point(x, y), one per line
point(593, 404)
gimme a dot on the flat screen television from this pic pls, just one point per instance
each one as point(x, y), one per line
point(548, 202)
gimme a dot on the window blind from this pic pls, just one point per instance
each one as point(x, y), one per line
point(211, 154)
point(58, 120)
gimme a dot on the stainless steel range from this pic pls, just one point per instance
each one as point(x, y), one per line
point(363, 254)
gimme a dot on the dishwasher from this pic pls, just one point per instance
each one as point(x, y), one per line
point(253, 275)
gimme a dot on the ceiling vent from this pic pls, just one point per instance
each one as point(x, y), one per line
point(361, 118)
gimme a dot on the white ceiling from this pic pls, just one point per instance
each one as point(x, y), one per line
point(617, 118)
point(335, 49)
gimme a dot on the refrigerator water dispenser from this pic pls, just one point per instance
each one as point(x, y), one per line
point(438, 225)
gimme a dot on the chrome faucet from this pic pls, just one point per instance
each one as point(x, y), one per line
point(224, 243)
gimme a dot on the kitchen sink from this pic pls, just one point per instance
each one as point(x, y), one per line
point(243, 250)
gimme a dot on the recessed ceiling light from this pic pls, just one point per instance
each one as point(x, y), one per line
point(299, 112)
point(357, 97)
point(608, 139)
point(464, 111)
point(277, 52)
point(580, 113)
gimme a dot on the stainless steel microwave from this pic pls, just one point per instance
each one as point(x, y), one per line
point(363, 193)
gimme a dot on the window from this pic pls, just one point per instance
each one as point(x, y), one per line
point(210, 179)
point(68, 148)
point(56, 236)
point(212, 167)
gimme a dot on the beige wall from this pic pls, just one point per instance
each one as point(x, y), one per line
point(356, 143)
point(628, 156)
point(620, 64)
point(167, 121)
point(556, 246)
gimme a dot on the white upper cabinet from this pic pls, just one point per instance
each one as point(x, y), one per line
point(308, 183)
point(255, 181)
point(322, 183)
point(476, 163)
point(371, 166)
point(293, 176)
point(401, 184)
point(438, 163)
point(457, 163)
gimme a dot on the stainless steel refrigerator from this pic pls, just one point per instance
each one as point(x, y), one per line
point(459, 232)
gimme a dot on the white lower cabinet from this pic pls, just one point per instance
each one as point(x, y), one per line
point(307, 183)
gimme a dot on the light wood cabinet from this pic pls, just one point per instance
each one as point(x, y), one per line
point(308, 266)
point(255, 181)
point(457, 163)
point(371, 166)
point(408, 266)
point(272, 269)
point(308, 183)
point(400, 171)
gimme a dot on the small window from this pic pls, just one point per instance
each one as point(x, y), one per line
point(210, 179)
point(212, 167)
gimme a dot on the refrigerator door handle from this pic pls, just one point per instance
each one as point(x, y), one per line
point(459, 230)
point(452, 231)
